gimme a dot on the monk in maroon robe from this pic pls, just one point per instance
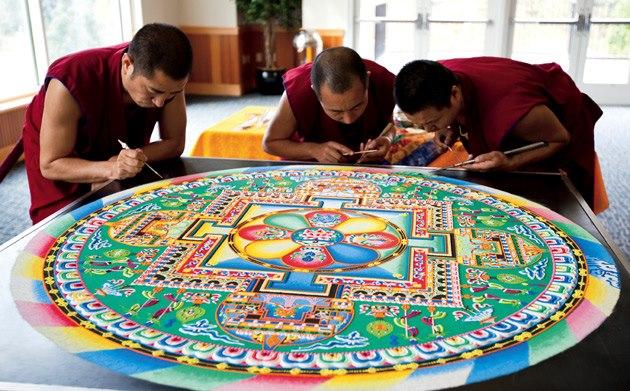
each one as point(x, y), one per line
point(93, 98)
point(338, 104)
point(496, 104)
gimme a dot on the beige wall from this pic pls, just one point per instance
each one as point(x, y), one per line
point(202, 13)
point(316, 14)
point(208, 13)
point(325, 14)
point(329, 15)
point(163, 11)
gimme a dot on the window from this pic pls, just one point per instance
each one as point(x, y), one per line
point(72, 25)
point(37, 32)
point(394, 32)
point(18, 75)
point(458, 28)
point(608, 53)
point(542, 31)
point(590, 39)
point(381, 25)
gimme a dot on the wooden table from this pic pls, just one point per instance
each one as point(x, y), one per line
point(237, 136)
point(600, 361)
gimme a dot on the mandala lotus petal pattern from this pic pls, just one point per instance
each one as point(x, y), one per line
point(319, 239)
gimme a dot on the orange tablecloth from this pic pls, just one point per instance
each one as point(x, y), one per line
point(237, 136)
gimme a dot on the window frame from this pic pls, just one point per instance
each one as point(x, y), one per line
point(500, 36)
point(128, 12)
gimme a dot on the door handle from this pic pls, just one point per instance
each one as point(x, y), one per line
point(584, 22)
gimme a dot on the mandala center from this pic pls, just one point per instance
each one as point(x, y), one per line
point(320, 236)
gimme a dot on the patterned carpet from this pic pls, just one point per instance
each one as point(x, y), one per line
point(612, 142)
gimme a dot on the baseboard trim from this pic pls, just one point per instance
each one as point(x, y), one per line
point(214, 89)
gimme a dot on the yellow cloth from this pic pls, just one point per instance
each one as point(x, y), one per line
point(600, 202)
point(237, 136)
point(448, 158)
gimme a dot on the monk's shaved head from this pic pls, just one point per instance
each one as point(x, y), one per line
point(338, 68)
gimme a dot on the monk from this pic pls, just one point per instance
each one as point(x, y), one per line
point(495, 104)
point(92, 99)
point(332, 107)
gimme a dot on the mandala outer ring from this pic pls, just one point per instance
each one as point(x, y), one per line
point(571, 304)
point(520, 338)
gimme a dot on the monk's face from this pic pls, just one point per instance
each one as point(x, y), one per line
point(433, 119)
point(149, 92)
point(347, 106)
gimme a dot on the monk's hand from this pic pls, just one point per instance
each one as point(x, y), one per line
point(445, 137)
point(329, 152)
point(491, 161)
point(382, 146)
point(127, 163)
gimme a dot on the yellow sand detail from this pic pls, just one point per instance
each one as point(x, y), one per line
point(271, 248)
point(360, 225)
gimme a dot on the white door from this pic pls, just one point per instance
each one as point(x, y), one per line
point(590, 39)
point(605, 70)
point(394, 32)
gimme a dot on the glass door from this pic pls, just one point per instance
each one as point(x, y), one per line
point(605, 70)
point(590, 39)
point(385, 31)
point(394, 32)
point(455, 28)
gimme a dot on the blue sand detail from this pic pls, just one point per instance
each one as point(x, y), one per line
point(85, 210)
point(126, 361)
point(500, 363)
point(39, 292)
point(349, 253)
point(296, 281)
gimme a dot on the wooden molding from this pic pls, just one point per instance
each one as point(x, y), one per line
point(216, 56)
point(5, 151)
point(331, 32)
point(17, 103)
point(214, 89)
point(209, 30)
point(11, 123)
point(331, 37)
point(258, 28)
point(225, 59)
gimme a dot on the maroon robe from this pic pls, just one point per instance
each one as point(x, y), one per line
point(93, 78)
point(499, 92)
point(314, 125)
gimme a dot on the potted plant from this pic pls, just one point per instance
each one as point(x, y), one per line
point(271, 15)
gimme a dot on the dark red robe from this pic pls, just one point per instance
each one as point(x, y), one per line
point(93, 78)
point(499, 92)
point(314, 125)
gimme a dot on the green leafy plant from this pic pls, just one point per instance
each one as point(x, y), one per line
point(271, 15)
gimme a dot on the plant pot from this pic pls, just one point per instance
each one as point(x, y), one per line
point(269, 81)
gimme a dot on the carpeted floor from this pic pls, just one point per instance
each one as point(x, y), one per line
point(612, 142)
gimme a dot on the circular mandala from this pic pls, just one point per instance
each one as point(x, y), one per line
point(319, 271)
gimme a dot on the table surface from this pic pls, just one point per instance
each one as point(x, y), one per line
point(238, 135)
point(600, 361)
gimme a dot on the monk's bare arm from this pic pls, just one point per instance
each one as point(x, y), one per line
point(540, 124)
point(58, 136)
point(277, 140)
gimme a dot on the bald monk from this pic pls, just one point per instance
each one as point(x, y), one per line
point(338, 104)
